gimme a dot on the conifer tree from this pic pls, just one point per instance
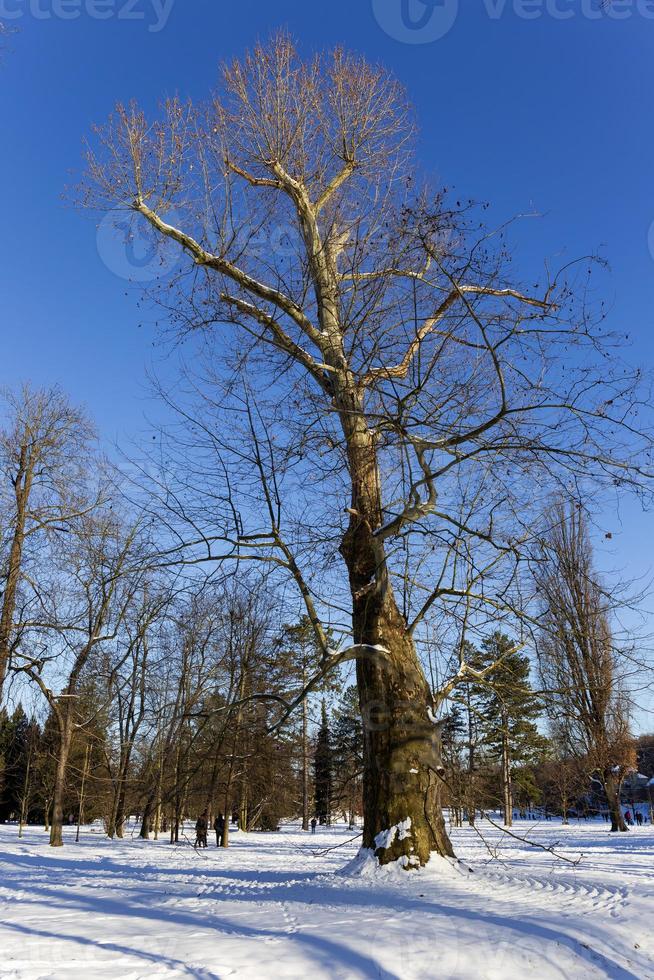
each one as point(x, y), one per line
point(347, 740)
point(15, 736)
point(323, 770)
point(509, 711)
point(298, 653)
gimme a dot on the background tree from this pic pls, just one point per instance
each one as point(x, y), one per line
point(509, 711)
point(347, 754)
point(455, 753)
point(301, 655)
point(84, 610)
point(15, 745)
point(579, 660)
point(324, 771)
point(44, 446)
point(562, 778)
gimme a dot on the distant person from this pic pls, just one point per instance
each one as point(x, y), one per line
point(219, 827)
point(313, 825)
point(639, 818)
point(201, 827)
point(628, 818)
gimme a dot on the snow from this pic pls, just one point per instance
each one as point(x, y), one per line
point(281, 905)
point(401, 831)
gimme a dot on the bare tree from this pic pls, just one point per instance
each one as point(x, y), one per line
point(84, 608)
point(418, 394)
point(43, 446)
point(580, 661)
point(127, 689)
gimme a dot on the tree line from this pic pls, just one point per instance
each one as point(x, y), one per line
point(161, 693)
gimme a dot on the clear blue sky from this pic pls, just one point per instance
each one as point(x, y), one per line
point(538, 113)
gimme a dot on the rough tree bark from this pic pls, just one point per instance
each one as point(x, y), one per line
point(402, 758)
point(612, 784)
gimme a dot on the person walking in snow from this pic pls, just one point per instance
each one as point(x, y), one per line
point(201, 827)
point(219, 827)
point(313, 825)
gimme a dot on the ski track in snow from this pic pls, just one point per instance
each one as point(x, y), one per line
point(277, 905)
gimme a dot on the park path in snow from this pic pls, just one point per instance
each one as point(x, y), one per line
point(281, 906)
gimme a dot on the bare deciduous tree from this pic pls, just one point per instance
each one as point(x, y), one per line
point(418, 394)
point(580, 661)
point(84, 610)
point(43, 446)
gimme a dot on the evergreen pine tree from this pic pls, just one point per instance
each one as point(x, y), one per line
point(15, 751)
point(323, 770)
point(297, 658)
point(509, 711)
point(347, 752)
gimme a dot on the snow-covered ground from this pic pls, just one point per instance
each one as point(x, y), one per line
point(277, 906)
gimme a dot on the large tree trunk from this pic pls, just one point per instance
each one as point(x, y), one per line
point(612, 789)
point(402, 752)
point(144, 833)
point(402, 764)
point(65, 740)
